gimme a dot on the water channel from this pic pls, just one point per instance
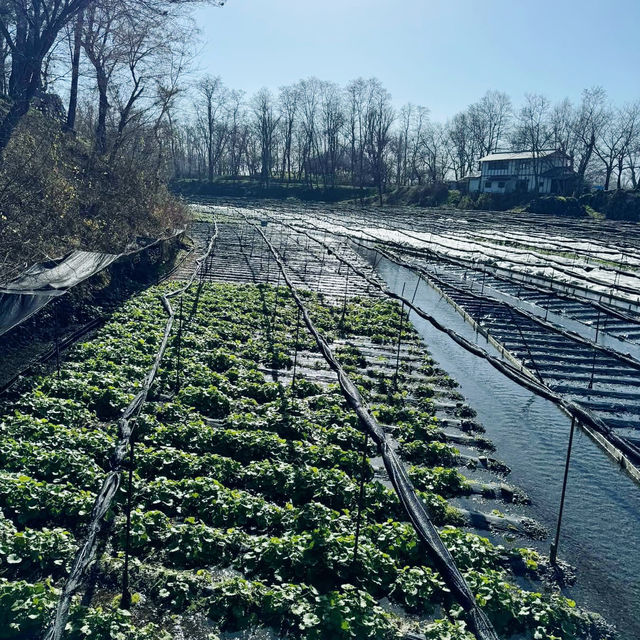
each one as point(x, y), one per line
point(601, 524)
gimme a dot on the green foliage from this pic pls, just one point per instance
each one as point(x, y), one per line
point(30, 501)
point(417, 588)
point(25, 610)
point(446, 630)
point(349, 613)
point(430, 453)
point(444, 481)
point(33, 551)
point(207, 400)
point(513, 610)
point(615, 205)
point(454, 197)
point(557, 206)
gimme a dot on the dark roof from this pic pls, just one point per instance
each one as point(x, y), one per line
point(521, 155)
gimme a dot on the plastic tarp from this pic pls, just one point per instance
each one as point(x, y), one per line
point(23, 296)
point(26, 294)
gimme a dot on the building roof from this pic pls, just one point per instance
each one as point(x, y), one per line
point(520, 155)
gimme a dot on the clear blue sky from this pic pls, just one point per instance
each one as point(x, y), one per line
point(443, 54)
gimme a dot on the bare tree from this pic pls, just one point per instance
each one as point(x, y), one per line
point(288, 109)
point(75, 70)
point(238, 132)
point(561, 123)
point(461, 148)
point(332, 120)
point(629, 116)
point(631, 156)
point(588, 123)
point(265, 124)
point(489, 119)
point(379, 116)
point(433, 144)
point(610, 142)
point(213, 94)
point(29, 30)
point(533, 131)
point(418, 132)
point(310, 95)
point(356, 100)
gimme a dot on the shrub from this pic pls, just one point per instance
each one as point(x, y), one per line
point(616, 205)
point(558, 206)
point(454, 198)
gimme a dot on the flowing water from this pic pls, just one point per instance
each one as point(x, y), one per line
point(601, 523)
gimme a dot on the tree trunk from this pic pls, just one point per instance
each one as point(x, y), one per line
point(24, 83)
point(103, 108)
point(75, 72)
point(210, 141)
point(620, 170)
point(584, 162)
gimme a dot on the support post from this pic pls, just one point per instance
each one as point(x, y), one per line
point(58, 337)
point(593, 359)
point(597, 326)
point(395, 375)
point(553, 555)
point(179, 345)
point(344, 300)
point(360, 496)
point(125, 600)
point(295, 357)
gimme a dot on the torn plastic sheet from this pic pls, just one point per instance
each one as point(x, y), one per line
point(26, 294)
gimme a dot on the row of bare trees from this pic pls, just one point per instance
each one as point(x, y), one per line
point(114, 72)
point(312, 132)
point(319, 133)
point(118, 63)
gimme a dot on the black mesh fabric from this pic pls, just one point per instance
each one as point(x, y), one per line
point(41, 283)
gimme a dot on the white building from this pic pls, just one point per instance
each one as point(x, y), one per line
point(509, 171)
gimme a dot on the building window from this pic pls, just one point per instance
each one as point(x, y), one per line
point(541, 184)
point(501, 185)
point(488, 185)
point(499, 165)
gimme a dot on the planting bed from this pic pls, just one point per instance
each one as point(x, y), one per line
point(257, 502)
point(599, 382)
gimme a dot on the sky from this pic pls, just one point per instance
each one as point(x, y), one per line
point(442, 54)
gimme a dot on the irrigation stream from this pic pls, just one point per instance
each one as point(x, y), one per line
point(602, 509)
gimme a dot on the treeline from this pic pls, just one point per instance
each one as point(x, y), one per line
point(88, 89)
point(322, 134)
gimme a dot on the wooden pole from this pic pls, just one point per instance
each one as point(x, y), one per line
point(554, 547)
point(295, 357)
